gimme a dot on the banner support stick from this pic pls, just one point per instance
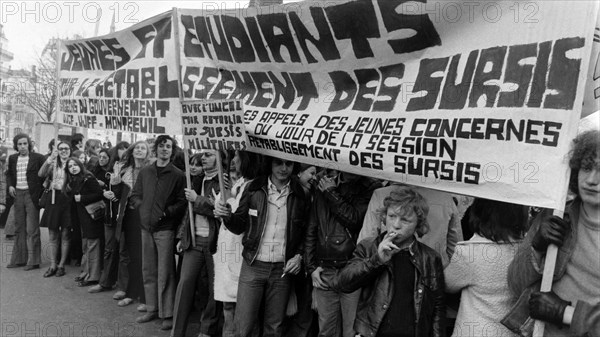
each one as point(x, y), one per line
point(186, 155)
point(547, 276)
point(55, 169)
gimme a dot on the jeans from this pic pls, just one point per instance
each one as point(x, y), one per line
point(91, 264)
point(229, 319)
point(158, 270)
point(28, 245)
point(262, 281)
point(111, 258)
point(196, 261)
point(336, 309)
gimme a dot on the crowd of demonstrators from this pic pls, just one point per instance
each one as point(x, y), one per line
point(291, 249)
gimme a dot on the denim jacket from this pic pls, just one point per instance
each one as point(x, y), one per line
point(525, 275)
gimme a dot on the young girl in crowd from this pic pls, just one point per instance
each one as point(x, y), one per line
point(129, 282)
point(91, 150)
point(57, 214)
point(479, 267)
point(76, 249)
point(304, 322)
point(82, 189)
point(103, 173)
point(396, 272)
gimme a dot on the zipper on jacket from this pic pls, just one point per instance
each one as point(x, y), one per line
point(263, 229)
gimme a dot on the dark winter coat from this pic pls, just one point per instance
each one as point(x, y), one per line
point(90, 192)
point(160, 199)
point(34, 182)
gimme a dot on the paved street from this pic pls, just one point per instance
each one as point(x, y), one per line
point(31, 305)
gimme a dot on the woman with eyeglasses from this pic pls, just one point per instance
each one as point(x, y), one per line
point(57, 215)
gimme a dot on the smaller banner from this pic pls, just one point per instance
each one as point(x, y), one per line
point(125, 81)
point(214, 125)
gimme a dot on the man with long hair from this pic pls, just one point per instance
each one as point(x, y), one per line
point(159, 195)
point(574, 299)
point(25, 187)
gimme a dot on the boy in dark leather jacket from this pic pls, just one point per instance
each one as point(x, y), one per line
point(402, 280)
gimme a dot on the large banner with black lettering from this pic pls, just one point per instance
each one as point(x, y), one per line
point(124, 81)
point(478, 98)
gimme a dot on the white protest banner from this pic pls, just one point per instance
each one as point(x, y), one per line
point(125, 81)
point(477, 98)
point(214, 125)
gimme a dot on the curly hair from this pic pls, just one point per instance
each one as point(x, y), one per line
point(408, 199)
point(585, 151)
point(163, 139)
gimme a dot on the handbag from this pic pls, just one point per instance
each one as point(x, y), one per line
point(96, 210)
point(43, 202)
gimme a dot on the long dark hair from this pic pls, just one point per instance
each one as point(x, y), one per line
point(113, 153)
point(498, 221)
point(73, 183)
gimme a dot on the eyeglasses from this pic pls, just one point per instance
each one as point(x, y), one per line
point(64, 149)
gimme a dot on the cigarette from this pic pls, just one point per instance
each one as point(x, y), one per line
point(282, 275)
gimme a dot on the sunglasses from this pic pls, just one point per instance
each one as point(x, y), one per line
point(64, 149)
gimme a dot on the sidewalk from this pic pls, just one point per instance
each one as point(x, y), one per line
point(31, 305)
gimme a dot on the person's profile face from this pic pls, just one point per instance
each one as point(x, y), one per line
point(209, 160)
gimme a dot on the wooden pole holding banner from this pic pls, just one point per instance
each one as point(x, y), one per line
point(224, 192)
point(547, 276)
point(55, 168)
point(186, 155)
